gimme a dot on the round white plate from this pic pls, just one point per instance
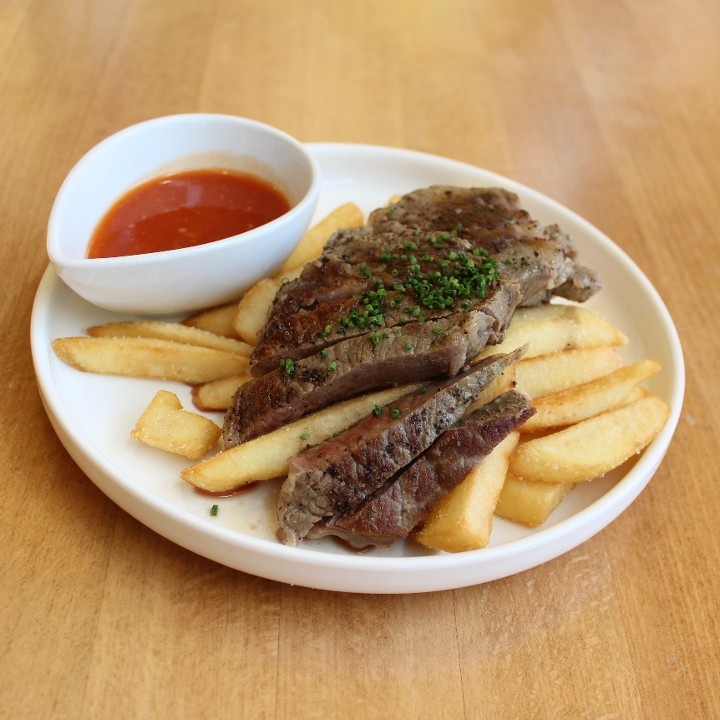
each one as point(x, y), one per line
point(93, 416)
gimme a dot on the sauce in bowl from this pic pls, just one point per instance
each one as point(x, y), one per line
point(185, 209)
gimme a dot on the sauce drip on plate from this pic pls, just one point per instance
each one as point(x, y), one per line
point(185, 209)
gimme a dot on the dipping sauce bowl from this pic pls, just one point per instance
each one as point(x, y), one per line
point(187, 279)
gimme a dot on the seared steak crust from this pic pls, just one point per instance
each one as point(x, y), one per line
point(404, 503)
point(430, 278)
point(337, 476)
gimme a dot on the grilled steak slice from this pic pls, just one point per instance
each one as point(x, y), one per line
point(540, 259)
point(455, 262)
point(404, 503)
point(337, 476)
point(403, 354)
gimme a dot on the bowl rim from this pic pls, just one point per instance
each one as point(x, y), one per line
point(60, 258)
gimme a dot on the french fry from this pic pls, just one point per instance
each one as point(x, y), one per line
point(546, 374)
point(217, 394)
point(166, 426)
point(176, 332)
point(149, 358)
point(529, 503)
point(593, 447)
point(218, 320)
point(462, 520)
point(312, 243)
point(253, 309)
point(581, 402)
point(554, 327)
point(266, 457)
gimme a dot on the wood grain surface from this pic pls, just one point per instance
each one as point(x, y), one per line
point(611, 107)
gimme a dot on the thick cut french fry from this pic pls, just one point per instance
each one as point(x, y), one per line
point(593, 447)
point(312, 243)
point(581, 402)
point(218, 320)
point(218, 394)
point(176, 332)
point(554, 327)
point(558, 371)
point(166, 426)
point(266, 457)
point(529, 503)
point(149, 358)
point(253, 309)
point(462, 520)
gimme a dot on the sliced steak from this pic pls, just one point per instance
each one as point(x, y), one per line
point(392, 356)
point(435, 275)
point(336, 477)
point(404, 503)
point(363, 282)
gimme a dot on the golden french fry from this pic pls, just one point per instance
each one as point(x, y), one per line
point(218, 394)
point(462, 520)
point(593, 447)
point(529, 503)
point(554, 327)
point(546, 374)
point(218, 320)
point(253, 309)
point(581, 402)
point(635, 394)
point(149, 358)
point(266, 457)
point(166, 426)
point(313, 242)
point(176, 332)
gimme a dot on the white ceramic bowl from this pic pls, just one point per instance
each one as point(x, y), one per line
point(179, 281)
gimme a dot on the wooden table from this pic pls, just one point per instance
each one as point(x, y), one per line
point(609, 107)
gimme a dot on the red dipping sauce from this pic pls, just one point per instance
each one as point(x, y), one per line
point(186, 209)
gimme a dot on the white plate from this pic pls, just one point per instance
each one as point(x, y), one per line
point(93, 416)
